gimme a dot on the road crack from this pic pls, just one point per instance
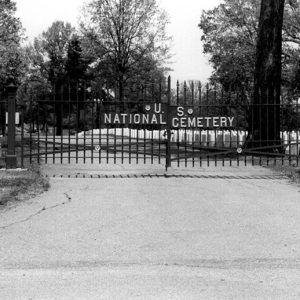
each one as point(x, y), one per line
point(69, 199)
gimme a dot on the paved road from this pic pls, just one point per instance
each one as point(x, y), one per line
point(236, 237)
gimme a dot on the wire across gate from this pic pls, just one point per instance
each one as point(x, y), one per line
point(119, 145)
point(193, 126)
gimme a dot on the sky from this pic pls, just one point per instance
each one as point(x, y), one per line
point(189, 63)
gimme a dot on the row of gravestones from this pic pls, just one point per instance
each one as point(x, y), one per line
point(211, 138)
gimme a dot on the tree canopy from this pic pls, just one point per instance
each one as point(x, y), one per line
point(11, 33)
point(229, 34)
point(126, 39)
point(48, 53)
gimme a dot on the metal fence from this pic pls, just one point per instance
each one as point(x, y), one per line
point(69, 126)
point(3, 110)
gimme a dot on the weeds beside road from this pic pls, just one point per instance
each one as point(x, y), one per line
point(19, 185)
point(292, 172)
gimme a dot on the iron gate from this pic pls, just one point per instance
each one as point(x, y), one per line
point(68, 126)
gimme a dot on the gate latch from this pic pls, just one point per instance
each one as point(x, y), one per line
point(239, 150)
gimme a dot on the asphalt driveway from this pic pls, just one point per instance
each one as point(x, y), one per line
point(134, 233)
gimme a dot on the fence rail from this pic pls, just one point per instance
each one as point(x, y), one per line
point(67, 126)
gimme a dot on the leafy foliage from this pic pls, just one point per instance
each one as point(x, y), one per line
point(11, 54)
point(229, 37)
point(56, 63)
point(126, 40)
point(49, 51)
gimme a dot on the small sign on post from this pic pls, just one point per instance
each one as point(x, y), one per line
point(17, 118)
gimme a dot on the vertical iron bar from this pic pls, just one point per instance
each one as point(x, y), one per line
point(245, 109)
point(275, 128)
point(99, 107)
point(46, 137)
point(62, 117)
point(215, 130)
point(238, 130)
point(207, 130)
point(122, 144)
point(22, 136)
point(107, 144)
point(77, 121)
point(252, 124)
point(153, 99)
point(267, 142)
point(69, 123)
point(223, 133)
point(31, 128)
point(290, 147)
point(93, 102)
point(111, 109)
point(115, 127)
point(11, 158)
point(193, 129)
point(283, 141)
point(54, 125)
point(178, 129)
point(159, 128)
point(231, 129)
point(38, 129)
point(297, 128)
point(200, 130)
point(137, 144)
point(185, 130)
point(144, 93)
point(130, 139)
point(84, 123)
point(260, 130)
point(168, 146)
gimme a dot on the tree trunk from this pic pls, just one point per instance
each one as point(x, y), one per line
point(264, 131)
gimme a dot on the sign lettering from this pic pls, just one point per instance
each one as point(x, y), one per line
point(174, 116)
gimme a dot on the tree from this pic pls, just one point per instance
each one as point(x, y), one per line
point(291, 48)
point(265, 129)
point(76, 65)
point(54, 44)
point(122, 36)
point(49, 60)
point(11, 54)
point(229, 35)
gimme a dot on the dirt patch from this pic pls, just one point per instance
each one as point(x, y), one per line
point(20, 185)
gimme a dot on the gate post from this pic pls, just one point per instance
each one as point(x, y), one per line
point(168, 143)
point(11, 158)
